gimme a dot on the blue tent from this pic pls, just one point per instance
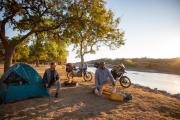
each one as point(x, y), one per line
point(20, 82)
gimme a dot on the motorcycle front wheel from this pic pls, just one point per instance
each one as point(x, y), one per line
point(88, 76)
point(125, 82)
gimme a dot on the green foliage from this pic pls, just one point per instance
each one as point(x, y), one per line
point(85, 23)
point(97, 26)
point(33, 14)
point(56, 51)
point(129, 62)
point(28, 17)
point(37, 49)
point(47, 48)
point(22, 53)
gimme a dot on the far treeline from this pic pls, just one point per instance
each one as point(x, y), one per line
point(146, 64)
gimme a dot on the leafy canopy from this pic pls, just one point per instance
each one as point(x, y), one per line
point(96, 27)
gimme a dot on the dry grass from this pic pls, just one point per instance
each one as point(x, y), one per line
point(80, 103)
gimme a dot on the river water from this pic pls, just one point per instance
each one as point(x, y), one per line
point(161, 81)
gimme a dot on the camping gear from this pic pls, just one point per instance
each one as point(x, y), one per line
point(118, 74)
point(69, 67)
point(70, 84)
point(117, 96)
point(127, 96)
point(110, 92)
point(20, 82)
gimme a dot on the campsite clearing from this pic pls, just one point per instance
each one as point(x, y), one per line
point(81, 103)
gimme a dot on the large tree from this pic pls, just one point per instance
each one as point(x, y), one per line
point(96, 27)
point(27, 17)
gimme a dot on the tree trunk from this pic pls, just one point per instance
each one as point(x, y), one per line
point(8, 57)
point(81, 54)
point(14, 59)
point(82, 60)
point(37, 62)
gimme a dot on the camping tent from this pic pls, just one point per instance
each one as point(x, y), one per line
point(20, 82)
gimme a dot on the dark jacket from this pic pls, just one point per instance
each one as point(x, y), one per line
point(50, 79)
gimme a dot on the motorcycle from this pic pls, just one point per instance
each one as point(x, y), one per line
point(118, 74)
point(87, 76)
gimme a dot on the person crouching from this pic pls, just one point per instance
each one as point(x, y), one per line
point(51, 78)
point(102, 77)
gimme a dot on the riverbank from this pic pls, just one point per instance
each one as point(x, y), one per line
point(158, 81)
point(81, 103)
point(156, 91)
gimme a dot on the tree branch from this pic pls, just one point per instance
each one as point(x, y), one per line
point(2, 30)
point(56, 25)
point(91, 48)
point(24, 37)
point(42, 30)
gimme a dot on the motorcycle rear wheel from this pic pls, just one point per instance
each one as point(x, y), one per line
point(125, 82)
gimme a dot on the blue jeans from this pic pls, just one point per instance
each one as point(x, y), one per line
point(57, 86)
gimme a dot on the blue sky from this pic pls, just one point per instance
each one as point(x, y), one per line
point(152, 29)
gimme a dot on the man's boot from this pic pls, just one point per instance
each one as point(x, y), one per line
point(56, 95)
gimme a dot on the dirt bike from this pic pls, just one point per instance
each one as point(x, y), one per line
point(87, 76)
point(118, 74)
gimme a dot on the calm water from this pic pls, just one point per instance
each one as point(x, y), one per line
point(161, 81)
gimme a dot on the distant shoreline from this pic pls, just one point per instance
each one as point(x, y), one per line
point(151, 71)
point(167, 66)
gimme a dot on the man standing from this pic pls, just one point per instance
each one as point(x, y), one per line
point(84, 68)
point(51, 78)
point(103, 76)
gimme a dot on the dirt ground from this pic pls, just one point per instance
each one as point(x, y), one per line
point(80, 103)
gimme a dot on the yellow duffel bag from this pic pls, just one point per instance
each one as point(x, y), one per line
point(113, 96)
point(117, 97)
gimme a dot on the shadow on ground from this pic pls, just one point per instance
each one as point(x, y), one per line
point(80, 103)
point(74, 103)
